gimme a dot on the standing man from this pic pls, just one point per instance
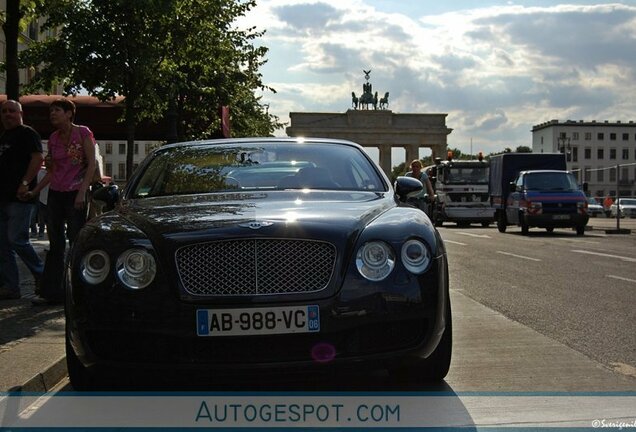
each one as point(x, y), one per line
point(418, 173)
point(20, 160)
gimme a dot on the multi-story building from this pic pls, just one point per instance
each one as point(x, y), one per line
point(601, 154)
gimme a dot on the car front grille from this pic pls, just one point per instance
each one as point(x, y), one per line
point(469, 197)
point(256, 267)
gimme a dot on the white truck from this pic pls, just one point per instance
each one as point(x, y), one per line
point(461, 187)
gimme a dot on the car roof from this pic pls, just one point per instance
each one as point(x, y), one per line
point(261, 140)
point(541, 171)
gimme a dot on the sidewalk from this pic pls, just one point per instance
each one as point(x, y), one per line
point(31, 338)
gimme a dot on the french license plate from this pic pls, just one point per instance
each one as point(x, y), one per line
point(561, 217)
point(258, 321)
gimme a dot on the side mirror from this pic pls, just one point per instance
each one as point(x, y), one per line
point(108, 195)
point(407, 186)
point(512, 187)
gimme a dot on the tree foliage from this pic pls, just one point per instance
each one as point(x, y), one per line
point(174, 59)
point(523, 149)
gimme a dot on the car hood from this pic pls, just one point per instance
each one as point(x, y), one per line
point(255, 214)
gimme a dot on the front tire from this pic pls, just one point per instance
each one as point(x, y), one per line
point(550, 229)
point(501, 223)
point(524, 226)
point(435, 367)
point(82, 379)
point(580, 230)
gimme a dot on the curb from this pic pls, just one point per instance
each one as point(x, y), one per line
point(45, 380)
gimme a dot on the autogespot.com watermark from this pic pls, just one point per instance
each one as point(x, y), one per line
point(614, 424)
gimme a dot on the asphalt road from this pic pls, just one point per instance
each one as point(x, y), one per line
point(576, 290)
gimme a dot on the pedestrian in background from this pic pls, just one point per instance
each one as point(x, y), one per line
point(71, 152)
point(607, 205)
point(20, 160)
point(422, 200)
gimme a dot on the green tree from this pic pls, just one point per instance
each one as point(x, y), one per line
point(109, 48)
point(215, 66)
point(523, 149)
point(176, 58)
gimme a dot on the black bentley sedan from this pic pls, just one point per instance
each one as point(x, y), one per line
point(257, 254)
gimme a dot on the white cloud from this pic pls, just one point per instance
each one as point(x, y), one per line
point(496, 71)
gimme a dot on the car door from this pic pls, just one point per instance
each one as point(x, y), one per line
point(512, 210)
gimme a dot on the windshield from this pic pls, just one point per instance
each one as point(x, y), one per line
point(629, 202)
point(199, 169)
point(551, 181)
point(466, 175)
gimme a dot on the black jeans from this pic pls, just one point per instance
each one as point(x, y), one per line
point(63, 221)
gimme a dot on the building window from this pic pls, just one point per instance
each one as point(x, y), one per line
point(612, 175)
point(612, 193)
point(109, 169)
point(612, 154)
point(575, 136)
point(121, 172)
point(588, 136)
point(586, 174)
point(625, 137)
point(588, 153)
point(624, 176)
point(561, 134)
point(575, 154)
point(612, 137)
point(600, 136)
point(625, 154)
point(600, 176)
point(600, 154)
point(109, 148)
point(136, 148)
point(122, 149)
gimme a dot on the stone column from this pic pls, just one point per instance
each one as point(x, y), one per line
point(385, 159)
point(438, 151)
point(412, 152)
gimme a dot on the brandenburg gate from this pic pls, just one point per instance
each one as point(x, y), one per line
point(380, 128)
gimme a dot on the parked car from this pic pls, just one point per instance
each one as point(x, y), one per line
point(626, 207)
point(594, 207)
point(251, 254)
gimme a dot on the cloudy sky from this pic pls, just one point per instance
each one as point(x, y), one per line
point(496, 67)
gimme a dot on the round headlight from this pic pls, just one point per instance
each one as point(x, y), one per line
point(136, 268)
point(415, 256)
point(95, 266)
point(375, 260)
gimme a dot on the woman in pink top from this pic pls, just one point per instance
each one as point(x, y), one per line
point(71, 158)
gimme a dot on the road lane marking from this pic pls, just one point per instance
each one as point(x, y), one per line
point(518, 256)
point(621, 278)
point(577, 241)
point(454, 242)
point(474, 235)
point(622, 258)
